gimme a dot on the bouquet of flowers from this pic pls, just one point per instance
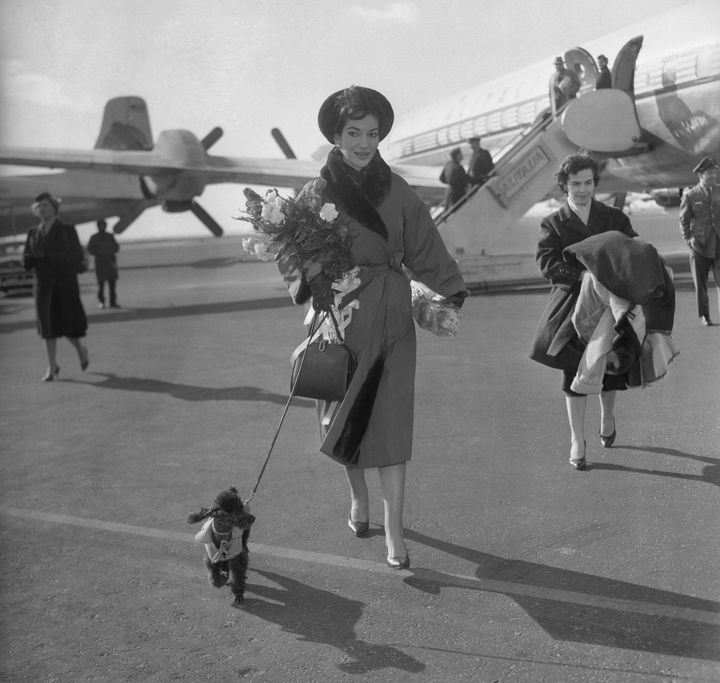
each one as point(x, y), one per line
point(302, 234)
point(432, 312)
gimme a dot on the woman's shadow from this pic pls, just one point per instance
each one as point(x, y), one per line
point(578, 607)
point(190, 392)
point(320, 616)
point(709, 474)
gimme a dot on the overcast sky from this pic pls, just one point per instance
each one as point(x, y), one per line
point(248, 66)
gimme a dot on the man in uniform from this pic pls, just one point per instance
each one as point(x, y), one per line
point(455, 177)
point(700, 228)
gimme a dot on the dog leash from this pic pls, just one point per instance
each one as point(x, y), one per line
point(313, 330)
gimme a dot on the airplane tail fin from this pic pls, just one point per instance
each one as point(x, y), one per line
point(125, 125)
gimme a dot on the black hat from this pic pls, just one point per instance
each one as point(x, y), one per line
point(704, 165)
point(474, 137)
point(358, 98)
point(559, 60)
point(602, 57)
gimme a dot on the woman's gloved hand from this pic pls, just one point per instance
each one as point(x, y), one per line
point(322, 293)
point(458, 299)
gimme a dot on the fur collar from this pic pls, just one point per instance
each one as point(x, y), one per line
point(358, 192)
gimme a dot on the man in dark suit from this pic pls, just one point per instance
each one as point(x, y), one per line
point(604, 79)
point(455, 177)
point(481, 163)
point(700, 228)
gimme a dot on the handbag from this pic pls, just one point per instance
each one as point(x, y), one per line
point(321, 369)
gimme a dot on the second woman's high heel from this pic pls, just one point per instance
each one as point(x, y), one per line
point(399, 562)
point(358, 528)
point(608, 441)
point(579, 463)
point(51, 376)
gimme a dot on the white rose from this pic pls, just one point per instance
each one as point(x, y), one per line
point(328, 212)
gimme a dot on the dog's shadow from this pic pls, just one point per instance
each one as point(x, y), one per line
point(320, 616)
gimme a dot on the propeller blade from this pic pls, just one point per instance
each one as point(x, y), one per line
point(211, 138)
point(208, 221)
point(282, 143)
point(129, 216)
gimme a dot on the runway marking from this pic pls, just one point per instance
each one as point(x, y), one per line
point(508, 588)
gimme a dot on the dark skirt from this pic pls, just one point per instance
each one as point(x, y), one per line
point(60, 312)
point(610, 383)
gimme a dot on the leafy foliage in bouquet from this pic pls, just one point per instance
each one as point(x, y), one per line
point(302, 234)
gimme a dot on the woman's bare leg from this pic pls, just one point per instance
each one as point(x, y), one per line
point(359, 505)
point(51, 350)
point(392, 482)
point(607, 412)
point(576, 408)
point(81, 351)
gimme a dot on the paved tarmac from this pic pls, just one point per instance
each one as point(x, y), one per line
point(522, 568)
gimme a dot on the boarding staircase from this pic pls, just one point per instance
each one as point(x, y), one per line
point(603, 121)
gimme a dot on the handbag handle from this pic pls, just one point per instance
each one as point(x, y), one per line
point(313, 329)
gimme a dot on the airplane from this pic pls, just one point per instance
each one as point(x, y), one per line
point(126, 174)
point(661, 116)
point(668, 64)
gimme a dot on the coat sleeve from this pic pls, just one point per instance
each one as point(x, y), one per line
point(425, 253)
point(686, 217)
point(549, 256)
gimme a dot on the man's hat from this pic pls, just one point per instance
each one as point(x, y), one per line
point(358, 96)
point(474, 137)
point(559, 60)
point(705, 164)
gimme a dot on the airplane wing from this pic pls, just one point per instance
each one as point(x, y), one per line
point(213, 169)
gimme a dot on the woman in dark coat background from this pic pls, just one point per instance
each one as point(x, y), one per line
point(555, 343)
point(54, 253)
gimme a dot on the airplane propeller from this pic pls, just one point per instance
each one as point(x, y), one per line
point(282, 143)
point(152, 193)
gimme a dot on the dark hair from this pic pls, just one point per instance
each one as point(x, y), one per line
point(574, 163)
point(354, 103)
point(46, 196)
point(455, 153)
point(102, 222)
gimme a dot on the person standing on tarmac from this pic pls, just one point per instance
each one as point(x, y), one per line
point(604, 79)
point(104, 247)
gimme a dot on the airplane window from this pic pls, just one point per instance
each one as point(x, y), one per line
point(510, 117)
point(494, 121)
point(706, 61)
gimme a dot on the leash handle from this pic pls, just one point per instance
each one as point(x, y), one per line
point(314, 326)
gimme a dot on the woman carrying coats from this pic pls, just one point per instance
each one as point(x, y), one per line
point(555, 343)
point(389, 228)
point(53, 251)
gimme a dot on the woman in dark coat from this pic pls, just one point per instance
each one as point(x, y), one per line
point(556, 344)
point(53, 251)
point(389, 227)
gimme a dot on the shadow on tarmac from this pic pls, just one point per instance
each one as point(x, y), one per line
point(131, 314)
point(191, 392)
point(320, 616)
point(710, 474)
point(591, 623)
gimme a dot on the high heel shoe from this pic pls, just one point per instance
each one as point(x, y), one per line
point(358, 528)
point(399, 562)
point(51, 376)
point(579, 463)
point(84, 358)
point(608, 441)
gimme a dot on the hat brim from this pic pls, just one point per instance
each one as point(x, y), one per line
point(329, 114)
